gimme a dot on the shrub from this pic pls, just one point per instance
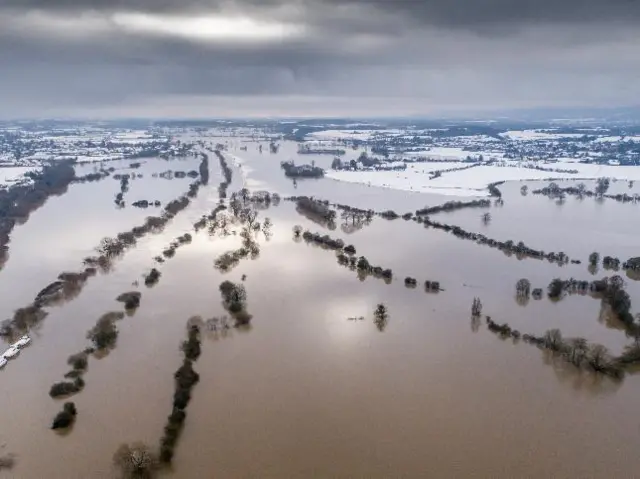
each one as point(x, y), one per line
point(191, 347)
point(152, 278)
point(363, 264)
point(66, 417)
point(242, 318)
point(177, 416)
point(135, 460)
point(181, 398)
point(185, 376)
point(523, 287)
point(131, 299)
point(555, 289)
point(104, 334)
point(78, 361)
point(66, 388)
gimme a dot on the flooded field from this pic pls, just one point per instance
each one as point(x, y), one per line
point(306, 390)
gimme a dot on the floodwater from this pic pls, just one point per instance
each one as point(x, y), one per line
point(305, 392)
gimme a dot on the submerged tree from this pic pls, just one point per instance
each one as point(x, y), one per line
point(602, 185)
point(7, 461)
point(476, 307)
point(552, 339)
point(381, 317)
point(523, 287)
point(576, 351)
point(486, 218)
point(136, 461)
point(594, 258)
point(555, 289)
point(66, 417)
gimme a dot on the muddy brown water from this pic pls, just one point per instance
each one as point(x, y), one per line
point(305, 392)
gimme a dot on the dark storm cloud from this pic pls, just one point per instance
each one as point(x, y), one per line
point(75, 54)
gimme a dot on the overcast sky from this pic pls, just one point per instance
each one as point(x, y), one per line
point(212, 58)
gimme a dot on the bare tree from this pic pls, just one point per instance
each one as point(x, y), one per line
point(381, 317)
point(476, 307)
point(249, 216)
point(577, 351)
point(523, 287)
point(598, 357)
point(136, 461)
point(553, 339)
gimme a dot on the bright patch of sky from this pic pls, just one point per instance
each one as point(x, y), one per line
point(201, 28)
point(206, 27)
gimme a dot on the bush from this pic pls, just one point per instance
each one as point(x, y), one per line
point(177, 416)
point(104, 334)
point(185, 376)
point(131, 299)
point(66, 417)
point(66, 388)
point(235, 307)
point(135, 460)
point(242, 318)
point(181, 398)
point(555, 288)
point(191, 347)
point(78, 361)
point(363, 264)
point(152, 278)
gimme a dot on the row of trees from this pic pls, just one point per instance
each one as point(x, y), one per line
point(346, 257)
point(612, 263)
point(520, 249)
point(18, 201)
point(453, 206)
point(103, 336)
point(124, 188)
point(438, 173)
point(611, 289)
point(553, 190)
point(576, 351)
point(226, 172)
point(65, 288)
point(185, 379)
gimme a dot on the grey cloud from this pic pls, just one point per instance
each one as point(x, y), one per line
point(373, 55)
point(444, 13)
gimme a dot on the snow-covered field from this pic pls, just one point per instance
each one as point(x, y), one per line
point(354, 134)
point(13, 174)
point(528, 135)
point(474, 181)
point(616, 139)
